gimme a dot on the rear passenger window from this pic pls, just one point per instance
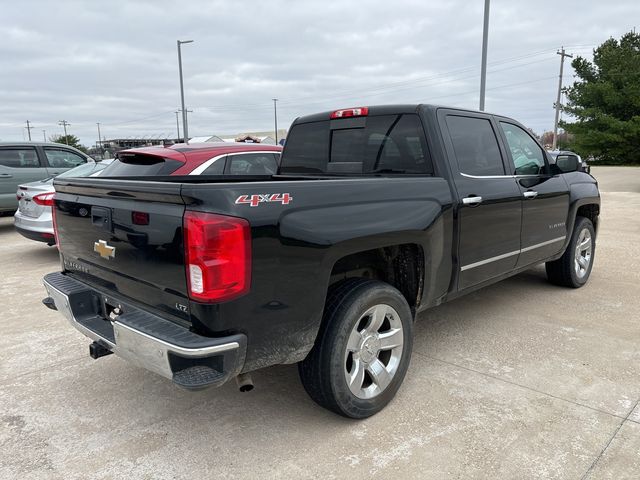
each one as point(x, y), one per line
point(216, 168)
point(19, 158)
point(252, 164)
point(475, 145)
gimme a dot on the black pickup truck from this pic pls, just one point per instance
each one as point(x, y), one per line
point(376, 214)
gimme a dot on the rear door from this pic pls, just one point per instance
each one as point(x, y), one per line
point(545, 204)
point(490, 201)
point(18, 165)
point(60, 159)
point(125, 238)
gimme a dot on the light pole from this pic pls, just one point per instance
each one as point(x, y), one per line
point(99, 138)
point(485, 41)
point(275, 117)
point(184, 110)
point(177, 124)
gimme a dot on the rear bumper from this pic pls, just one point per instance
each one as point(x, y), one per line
point(35, 228)
point(46, 237)
point(159, 345)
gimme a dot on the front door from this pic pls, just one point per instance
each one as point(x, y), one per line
point(545, 204)
point(18, 165)
point(490, 201)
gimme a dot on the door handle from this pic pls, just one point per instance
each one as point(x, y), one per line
point(530, 194)
point(472, 200)
point(6, 175)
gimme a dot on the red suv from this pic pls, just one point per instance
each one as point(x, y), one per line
point(197, 159)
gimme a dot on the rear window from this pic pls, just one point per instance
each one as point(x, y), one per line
point(384, 143)
point(140, 166)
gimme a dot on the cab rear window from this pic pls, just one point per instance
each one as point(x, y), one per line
point(376, 144)
point(127, 165)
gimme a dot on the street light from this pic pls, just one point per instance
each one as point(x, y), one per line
point(184, 110)
point(485, 41)
point(275, 117)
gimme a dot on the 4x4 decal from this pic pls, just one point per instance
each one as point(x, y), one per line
point(257, 199)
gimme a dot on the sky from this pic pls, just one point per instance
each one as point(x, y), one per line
point(115, 62)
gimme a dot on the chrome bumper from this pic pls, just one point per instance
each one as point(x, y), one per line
point(147, 340)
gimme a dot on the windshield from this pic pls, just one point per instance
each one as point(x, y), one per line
point(376, 144)
point(83, 170)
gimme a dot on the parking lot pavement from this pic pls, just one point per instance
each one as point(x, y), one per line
point(518, 380)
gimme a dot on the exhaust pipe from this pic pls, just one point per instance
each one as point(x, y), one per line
point(245, 382)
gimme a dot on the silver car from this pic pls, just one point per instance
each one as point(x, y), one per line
point(33, 219)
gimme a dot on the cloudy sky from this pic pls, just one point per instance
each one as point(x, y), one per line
point(115, 62)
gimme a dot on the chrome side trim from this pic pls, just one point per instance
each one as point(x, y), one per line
point(510, 254)
point(543, 244)
point(208, 163)
point(497, 176)
point(489, 260)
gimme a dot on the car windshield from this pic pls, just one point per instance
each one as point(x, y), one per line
point(84, 170)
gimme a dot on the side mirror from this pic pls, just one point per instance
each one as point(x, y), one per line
point(567, 163)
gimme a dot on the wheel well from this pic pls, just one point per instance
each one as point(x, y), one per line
point(401, 266)
point(591, 212)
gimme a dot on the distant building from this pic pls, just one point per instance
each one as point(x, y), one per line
point(205, 139)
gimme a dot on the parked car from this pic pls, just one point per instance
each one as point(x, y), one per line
point(218, 158)
point(376, 214)
point(564, 156)
point(23, 162)
point(33, 219)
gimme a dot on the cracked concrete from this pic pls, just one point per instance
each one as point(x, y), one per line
point(518, 380)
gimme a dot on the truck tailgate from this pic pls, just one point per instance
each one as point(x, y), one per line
point(125, 238)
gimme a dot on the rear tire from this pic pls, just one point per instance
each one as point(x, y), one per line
point(574, 267)
point(362, 351)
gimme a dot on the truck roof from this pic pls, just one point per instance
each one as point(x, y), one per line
point(384, 110)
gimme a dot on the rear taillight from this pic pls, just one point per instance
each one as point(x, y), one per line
point(44, 199)
point(218, 256)
point(350, 112)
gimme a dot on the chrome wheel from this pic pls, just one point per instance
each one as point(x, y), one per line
point(583, 252)
point(374, 351)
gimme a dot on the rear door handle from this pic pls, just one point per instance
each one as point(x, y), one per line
point(530, 194)
point(472, 200)
point(6, 175)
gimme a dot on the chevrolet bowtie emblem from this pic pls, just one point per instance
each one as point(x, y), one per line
point(105, 250)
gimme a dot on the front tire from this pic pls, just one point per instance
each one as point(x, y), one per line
point(574, 267)
point(362, 351)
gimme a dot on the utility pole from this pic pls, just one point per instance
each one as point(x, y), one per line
point(99, 137)
point(29, 127)
point(485, 42)
point(44, 135)
point(185, 128)
point(65, 124)
point(275, 117)
point(177, 124)
point(555, 124)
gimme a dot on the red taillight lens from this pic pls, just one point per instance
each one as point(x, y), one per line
point(44, 199)
point(350, 112)
point(218, 256)
point(140, 218)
